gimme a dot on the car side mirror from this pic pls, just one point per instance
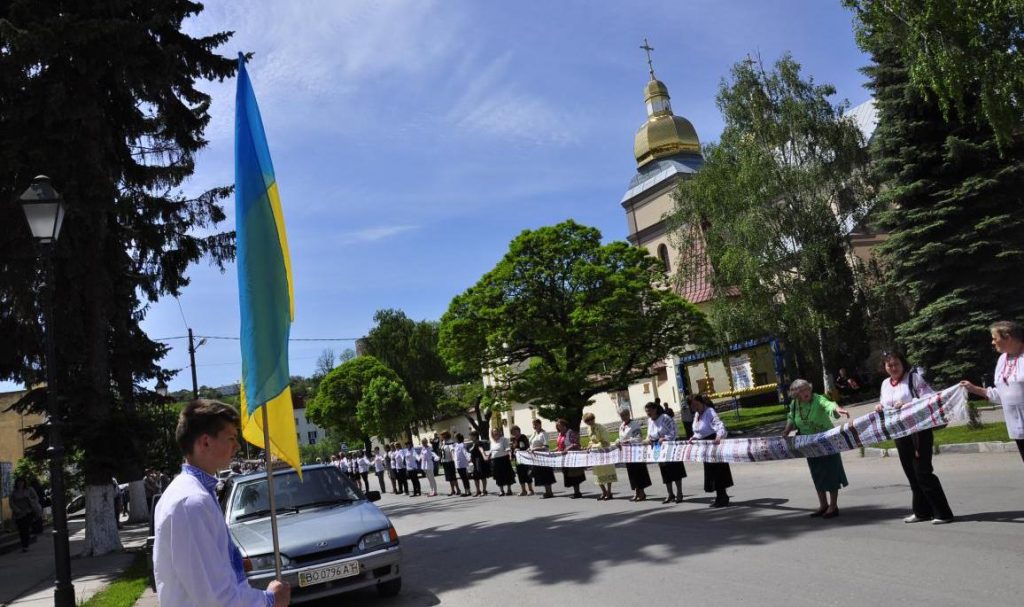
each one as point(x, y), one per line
point(373, 496)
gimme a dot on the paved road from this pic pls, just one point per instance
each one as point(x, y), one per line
point(765, 550)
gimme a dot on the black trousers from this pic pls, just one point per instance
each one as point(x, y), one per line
point(929, 500)
point(1020, 447)
point(380, 479)
point(24, 529)
point(366, 480)
point(415, 477)
point(403, 481)
point(465, 478)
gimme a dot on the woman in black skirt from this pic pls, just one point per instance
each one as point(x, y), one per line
point(500, 458)
point(662, 428)
point(708, 426)
point(448, 462)
point(543, 476)
point(631, 434)
point(481, 467)
point(569, 440)
point(523, 472)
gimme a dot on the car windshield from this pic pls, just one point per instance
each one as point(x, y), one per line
point(319, 487)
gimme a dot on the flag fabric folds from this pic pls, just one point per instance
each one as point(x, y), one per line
point(265, 293)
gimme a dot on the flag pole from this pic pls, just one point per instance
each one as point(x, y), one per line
point(268, 459)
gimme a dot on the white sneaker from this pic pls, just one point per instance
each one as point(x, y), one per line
point(913, 518)
point(942, 521)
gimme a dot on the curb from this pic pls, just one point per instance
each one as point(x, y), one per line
point(991, 447)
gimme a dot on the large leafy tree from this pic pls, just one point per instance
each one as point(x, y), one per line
point(966, 54)
point(566, 318)
point(103, 98)
point(953, 208)
point(409, 347)
point(360, 398)
point(772, 209)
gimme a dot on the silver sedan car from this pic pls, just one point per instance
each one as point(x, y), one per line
point(332, 538)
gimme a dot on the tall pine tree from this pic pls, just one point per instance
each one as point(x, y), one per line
point(101, 96)
point(954, 209)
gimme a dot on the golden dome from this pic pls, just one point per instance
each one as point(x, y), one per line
point(664, 134)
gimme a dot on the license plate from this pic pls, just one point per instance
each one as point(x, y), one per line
point(327, 573)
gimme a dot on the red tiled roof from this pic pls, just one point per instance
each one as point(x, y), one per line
point(695, 272)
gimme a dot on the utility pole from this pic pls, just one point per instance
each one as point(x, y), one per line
point(192, 359)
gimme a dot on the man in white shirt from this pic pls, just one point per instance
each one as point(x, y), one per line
point(194, 560)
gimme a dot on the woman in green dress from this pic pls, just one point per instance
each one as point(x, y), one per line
point(811, 413)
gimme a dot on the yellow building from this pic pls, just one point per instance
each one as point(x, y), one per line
point(13, 441)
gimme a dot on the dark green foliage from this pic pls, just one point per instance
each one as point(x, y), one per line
point(956, 246)
point(101, 96)
point(567, 318)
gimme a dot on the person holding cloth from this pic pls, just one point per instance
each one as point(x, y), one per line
point(195, 563)
point(569, 440)
point(426, 462)
point(708, 426)
point(519, 443)
point(811, 413)
point(543, 476)
point(663, 428)
point(499, 456)
point(1008, 391)
point(599, 440)
point(630, 433)
point(903, 386)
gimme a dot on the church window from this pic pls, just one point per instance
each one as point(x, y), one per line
point(663, 256)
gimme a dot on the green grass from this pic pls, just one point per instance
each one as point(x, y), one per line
point(955, 435)
point(126, 589)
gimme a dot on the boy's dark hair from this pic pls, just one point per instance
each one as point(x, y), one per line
point(203, 416)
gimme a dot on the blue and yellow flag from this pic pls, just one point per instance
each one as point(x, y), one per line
point(265, 283)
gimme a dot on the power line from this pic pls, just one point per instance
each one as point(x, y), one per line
point(182, 311)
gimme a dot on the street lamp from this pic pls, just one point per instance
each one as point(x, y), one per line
point(44, 211)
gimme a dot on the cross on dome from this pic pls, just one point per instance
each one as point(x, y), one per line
point(647, 49)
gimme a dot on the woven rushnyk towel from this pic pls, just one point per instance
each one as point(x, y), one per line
point(927, 412)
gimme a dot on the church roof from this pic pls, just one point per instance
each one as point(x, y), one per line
point(865, 116)
point(695, 271)
point(653, 173)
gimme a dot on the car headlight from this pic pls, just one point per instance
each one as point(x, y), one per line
point(378, 538)
point(264, 562)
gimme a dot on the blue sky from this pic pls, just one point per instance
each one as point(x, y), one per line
point(413, 140)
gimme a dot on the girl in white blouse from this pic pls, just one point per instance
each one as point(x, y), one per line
point(708, 426)
point(903, 386)
point(662, 428)
point(1008, 391)
point(543, 476)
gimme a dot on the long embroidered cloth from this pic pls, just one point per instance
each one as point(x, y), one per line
point(930, 411)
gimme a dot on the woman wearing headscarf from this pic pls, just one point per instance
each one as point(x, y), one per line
point(523, 472)
point(811, 413)
point(903, 386)
point(708, 426)
point(630, 433)
point(1008, 391)
point(599, 440)
point(499, 456)
point(481, 467)
point(569, 440)
point(661, 429)
point(543, 476)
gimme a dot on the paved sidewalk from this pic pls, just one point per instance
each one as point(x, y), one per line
point(26, 578)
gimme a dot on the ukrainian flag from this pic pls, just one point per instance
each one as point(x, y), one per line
point(265, 290)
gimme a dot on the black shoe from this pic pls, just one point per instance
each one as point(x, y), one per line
point(668, 500)
point(679, 498)
point(832, 514)
point(819, 512)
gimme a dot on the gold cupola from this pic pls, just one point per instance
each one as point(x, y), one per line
point(664, 134)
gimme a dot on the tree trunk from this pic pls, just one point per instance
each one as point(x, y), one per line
point(138, 512)
point(101, 535)
point(828, 387)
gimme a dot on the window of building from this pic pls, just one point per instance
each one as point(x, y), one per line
point(312, 437)
point(706, 386)
point(663, 256)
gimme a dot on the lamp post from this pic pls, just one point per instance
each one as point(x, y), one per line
point(44, 211)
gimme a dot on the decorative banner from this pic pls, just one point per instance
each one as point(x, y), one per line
point(930, 411)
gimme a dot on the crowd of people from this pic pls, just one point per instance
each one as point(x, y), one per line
point(460, 460)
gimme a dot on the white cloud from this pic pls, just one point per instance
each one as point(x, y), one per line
point(373, 234)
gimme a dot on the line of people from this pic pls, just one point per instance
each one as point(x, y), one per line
point(461, 461)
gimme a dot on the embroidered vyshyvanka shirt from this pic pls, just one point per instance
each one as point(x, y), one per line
point(194, 560)
point(708, 425)
point(1008, 391)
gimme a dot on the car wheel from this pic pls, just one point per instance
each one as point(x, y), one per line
point(390, 587)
